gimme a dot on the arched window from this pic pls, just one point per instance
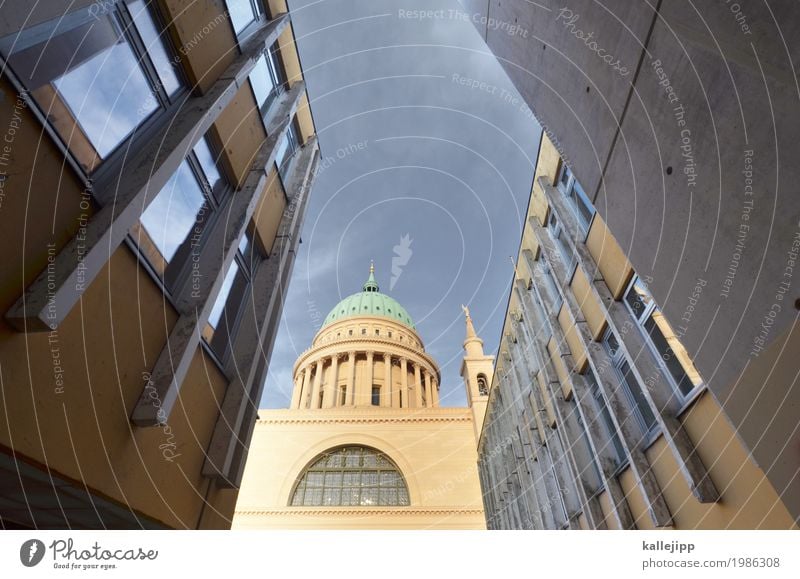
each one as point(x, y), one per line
point(351, 476)
point(483, 386)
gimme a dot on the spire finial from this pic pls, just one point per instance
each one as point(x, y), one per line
point(472, 344)
point(371, 285)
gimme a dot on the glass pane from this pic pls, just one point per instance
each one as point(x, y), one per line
point(352, 461)
point(389, 479)
point(261, 81)
point(313, 497)
point(297, 499)
point(565, 173)
point(315, 479)
point(672, 353)
point(170, 218)
point(333, 479)
point(87, 80)
point(332, 497)
point(640, 402)
point(582, 203)
point(369, 496)
point(154, 46)
point(241, 14)
point(388, 496)
point(612, 345)
point(108, 95)
point(219, 305)
point(207, 163)
point(638, 298)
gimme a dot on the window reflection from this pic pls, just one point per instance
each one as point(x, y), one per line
point(171, 216)
point(90, 77)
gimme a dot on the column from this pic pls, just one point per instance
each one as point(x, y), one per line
point(435, 392)
point(329, 395)
point(417, 387)
point(428, 390)
point(317, 386)
point(387, 394)
point(303, 402)
point(366, 387)
point(351, 379)
point(298, 388)
point(404, 383)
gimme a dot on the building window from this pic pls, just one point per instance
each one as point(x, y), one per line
point(342, 395)
point(611, 433)
point(582, 207)
point(172, 230)
point(376, 395)
point(285, 156)
point(632, 388)
point(349, 332)
point(672, 356)
point(267, 79)
point(483, 386)
point(363, 331)
point(377, 332)
point(390, 333)
point(223, 320)
point(96, 77)
point(559, 235)
point(243, 13)
point(351, 476)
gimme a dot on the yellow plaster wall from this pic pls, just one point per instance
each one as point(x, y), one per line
point(575, 344)
point(269, 211)
point(434, 448)
point(203, 38)
point(748, 499)
point(588, 304)
point(609, 257)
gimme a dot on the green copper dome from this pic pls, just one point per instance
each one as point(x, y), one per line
point(369, 302)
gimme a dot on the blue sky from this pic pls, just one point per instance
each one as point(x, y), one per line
point(412, 148)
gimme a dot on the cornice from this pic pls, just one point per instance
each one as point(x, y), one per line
point(360, 512)
point(366, 415)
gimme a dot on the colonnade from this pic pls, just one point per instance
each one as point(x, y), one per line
point(315, 388)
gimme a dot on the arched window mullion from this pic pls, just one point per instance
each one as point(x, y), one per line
point(351, 476)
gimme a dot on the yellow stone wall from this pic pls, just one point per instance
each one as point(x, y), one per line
point(434, 449)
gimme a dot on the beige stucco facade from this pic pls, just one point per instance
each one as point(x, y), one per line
point(367, 382)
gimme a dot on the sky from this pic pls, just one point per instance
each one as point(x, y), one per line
point(428, 155)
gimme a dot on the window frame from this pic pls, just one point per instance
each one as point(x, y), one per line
point(571, 188)
point(640, 321)
point(606, 418)
point(173, 271)
point(618, 359)
point(319, 464)
point(224, 333)
point(107, 169)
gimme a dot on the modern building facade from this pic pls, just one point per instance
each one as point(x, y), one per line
point(156, 164)
point(364, 443)
point(598, 415)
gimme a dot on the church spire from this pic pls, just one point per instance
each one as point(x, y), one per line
point(371, 285)
point(472, 344)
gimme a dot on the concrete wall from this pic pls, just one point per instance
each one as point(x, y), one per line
point(669, 181)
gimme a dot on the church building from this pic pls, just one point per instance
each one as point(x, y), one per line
point(365, 444)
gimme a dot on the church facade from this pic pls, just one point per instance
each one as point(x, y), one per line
point(364, 443)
